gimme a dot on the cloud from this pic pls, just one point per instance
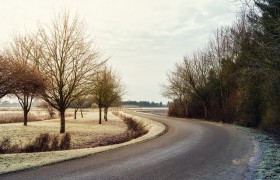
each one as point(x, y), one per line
point(144, 37)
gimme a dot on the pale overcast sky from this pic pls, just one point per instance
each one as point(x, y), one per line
point(144, 38)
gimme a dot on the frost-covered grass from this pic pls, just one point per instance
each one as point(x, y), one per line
point(82, 130)
point(266, 162)
point(15, 162)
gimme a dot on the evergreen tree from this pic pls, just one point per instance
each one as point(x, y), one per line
point(266, 23)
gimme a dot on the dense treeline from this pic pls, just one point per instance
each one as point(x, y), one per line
point(236, 77)
point(142, 104)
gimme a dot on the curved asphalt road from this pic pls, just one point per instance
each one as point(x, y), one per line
point(189, 150)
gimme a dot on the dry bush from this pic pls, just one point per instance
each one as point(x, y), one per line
point(40, 144)
point(44, 142)
point(54, 143)
point(135, 129)
point(6, 147)
point(65, 142)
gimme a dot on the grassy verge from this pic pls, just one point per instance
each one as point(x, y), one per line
point(266, 162)
point(21, 161)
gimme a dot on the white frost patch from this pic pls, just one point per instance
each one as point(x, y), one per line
point(265, 163)
point(253, 162)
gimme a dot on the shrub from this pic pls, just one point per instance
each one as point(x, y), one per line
point(54, 146)
point(6, 147)
point(134, 128)
point(44, 142)
point(177, 109)
point(65, 142)
point(40, 144)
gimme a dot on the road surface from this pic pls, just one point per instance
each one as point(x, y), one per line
point(190, 149)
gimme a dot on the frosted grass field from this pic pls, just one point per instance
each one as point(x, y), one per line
point(82, 130)
point(15, 162)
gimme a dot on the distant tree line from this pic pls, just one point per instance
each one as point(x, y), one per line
point(142, 104)
point(236, 77)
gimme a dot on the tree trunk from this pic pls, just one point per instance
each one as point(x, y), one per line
point(100, 114)
point(205, 112)
point(105, 113)
point(187, 111)
point(75, 113)
point(25, 113)
point(62, 121)
point(82, 112)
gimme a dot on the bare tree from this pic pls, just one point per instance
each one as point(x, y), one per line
point(28, 80)
point(98, 90)
point(189, 78)
point(106, 89)
point(177, 87)
point(31, 83)
point(114, 90)
point(196, 71)
point(69, 59)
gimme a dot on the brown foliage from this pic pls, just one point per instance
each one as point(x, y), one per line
point(19, 77)
point(6, 86)
point(177, 109)
point(28, 79)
